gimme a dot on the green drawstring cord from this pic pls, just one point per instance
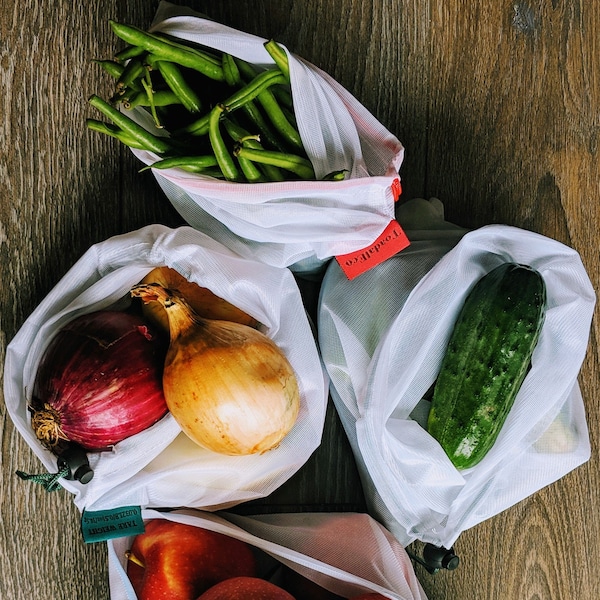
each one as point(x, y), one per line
point(48, 480)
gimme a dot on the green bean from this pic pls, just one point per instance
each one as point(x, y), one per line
point(147, 85)
point(290, 162)
point(207, 54)
point(214, 172)
point(230, 70)
point(246, 69)
point(128, 52)
point(267, 98)
point(240, 136)
point(181, 54)
point(130, 99)
point(336, 175)
point(198, 128)
point(237, 133)
point(279, 120)
point(283, 93)
point(160, 98)
point(272, 173)
point(251, 172)
point(132, 72)
point(123, 96)
point(258, 88)
point(226, 162)
point(192, 163)
point(113, 131)
point(291, 115)
point(116, 70)
point(279, 56)
point(112, 67)
point(174, 78)
point(118, 97)
point(155, 75)
point(251, 90)
point(266, 131)
point(135, 131)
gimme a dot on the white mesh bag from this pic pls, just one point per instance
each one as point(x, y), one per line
point(382, 338)
point(345, 553)
point(161, 467)
point(296, 224)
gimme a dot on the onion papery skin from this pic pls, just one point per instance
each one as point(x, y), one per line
point(99, 381)
point(229, 387)
point(203, 301)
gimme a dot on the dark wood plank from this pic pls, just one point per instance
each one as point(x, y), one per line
point(512, 138)
point(497, 105)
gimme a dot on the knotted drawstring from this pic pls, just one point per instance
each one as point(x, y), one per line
point(48, 480)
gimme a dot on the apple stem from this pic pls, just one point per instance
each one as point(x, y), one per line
point(129, 555)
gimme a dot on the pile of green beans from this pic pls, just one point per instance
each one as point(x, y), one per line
point(222, 117)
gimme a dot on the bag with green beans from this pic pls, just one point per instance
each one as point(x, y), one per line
point(252, 145)
point(383, 336)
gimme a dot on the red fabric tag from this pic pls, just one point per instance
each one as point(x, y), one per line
point(392, 240)
point(396, 189)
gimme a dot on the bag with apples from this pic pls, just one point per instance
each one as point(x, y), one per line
point(61, 367)
point(194, 555)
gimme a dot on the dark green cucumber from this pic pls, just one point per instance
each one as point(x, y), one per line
point(485, 363)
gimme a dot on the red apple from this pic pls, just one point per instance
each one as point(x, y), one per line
point(175, 561)
point(246, 588)
point(135, 572)
point(303, 588)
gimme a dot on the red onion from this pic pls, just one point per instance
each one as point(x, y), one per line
point(99, 381)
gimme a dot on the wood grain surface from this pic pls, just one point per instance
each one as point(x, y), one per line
point(498, 106)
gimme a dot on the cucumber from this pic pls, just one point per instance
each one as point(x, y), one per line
point(486, 360)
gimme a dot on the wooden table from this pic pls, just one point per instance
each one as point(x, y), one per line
point(498, 106)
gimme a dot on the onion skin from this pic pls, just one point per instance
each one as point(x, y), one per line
point(99, 381)
point(204, 303)
point(229, 386)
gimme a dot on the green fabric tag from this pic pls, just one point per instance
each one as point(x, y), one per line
point(101, 525)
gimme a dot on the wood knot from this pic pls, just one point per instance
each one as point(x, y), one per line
point(524, 18)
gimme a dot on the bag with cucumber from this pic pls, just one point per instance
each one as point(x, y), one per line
point(454, 369)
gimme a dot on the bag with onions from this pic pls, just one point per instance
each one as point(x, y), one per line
point(295, 222)
point(309, 556)
point(164, 370)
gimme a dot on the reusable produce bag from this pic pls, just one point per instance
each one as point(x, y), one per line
point(296, 224)
point(346, 553)
point(161, 467)
point(383, 337)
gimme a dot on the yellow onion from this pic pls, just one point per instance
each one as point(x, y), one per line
point(229, 386)
point(201, 299)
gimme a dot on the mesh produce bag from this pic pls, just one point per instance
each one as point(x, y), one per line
point(345, 553)
point(382, 338)
point(161, 467)
point(296, 224)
